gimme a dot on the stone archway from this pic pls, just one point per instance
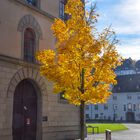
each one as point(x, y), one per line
point(27, 73)
point(30, 21)
point(39, 84)
point(24, 123)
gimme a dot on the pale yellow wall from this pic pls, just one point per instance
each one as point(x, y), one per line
point(10, 14)
point(50, 6)
point(63, 119)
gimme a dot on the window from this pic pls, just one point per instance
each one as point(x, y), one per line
point(87, 107)
point(114, 97)
point(96, 107)
point(29, 45)
point(116, 115)
point(109, 118)
point(137, 87)
point(124, 107)
point(32, 2)
point(115, 107)
point(62, 95)
point(87, 116)
point(62, 13)
point(129, 106)
point(121, 118)
point(96, 116)
point(101, 115)
point(105, 107)
point(62, 9)
point(129, 97)
point(134, 107)
point(139, 106)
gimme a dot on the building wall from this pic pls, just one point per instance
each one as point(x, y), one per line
point(50, 6)
point(9, 21)
point(126, 93)
point(63, 119)
point(116, 105)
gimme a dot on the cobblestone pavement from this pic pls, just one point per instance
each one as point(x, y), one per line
point(132, 134)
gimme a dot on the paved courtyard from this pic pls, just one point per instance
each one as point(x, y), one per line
point(132, 134)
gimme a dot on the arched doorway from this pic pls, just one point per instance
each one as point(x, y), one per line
point(24, 125)
point(130, 117)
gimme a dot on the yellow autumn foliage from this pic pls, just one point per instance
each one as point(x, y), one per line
point(78, 48)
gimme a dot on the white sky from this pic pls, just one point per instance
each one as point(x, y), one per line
point(124, 16)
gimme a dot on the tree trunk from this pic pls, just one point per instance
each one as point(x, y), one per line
point(82, 120)
point(82, 108)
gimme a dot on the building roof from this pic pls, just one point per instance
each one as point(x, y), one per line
point(127, 83)
point(137, 65)
point(128, 64)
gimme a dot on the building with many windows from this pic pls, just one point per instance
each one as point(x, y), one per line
point(124, 103)
point(28, 109)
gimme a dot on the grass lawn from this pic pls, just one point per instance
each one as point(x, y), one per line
point(104, 126)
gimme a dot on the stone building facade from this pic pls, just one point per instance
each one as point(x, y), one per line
point(39, 114)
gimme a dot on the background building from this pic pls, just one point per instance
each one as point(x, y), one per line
point(124, 103)
point(28, 109)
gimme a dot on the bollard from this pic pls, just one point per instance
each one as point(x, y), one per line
point(108, 134)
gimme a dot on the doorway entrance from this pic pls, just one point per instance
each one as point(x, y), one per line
point(130, 117)
point(24, 125)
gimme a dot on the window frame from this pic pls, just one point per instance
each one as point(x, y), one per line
point(105, 106)
point(124, 107)
point(114, 97)
point(87, 116)
point(139, 106)
point(62, 14)
point(61, 99)
point(134, 107)
point(35, 45)
point(115, 107)
point(62, 9)
point(129, 106)
point(129, 97)
point(96, 116)
point(96, 107)
point(87, 107)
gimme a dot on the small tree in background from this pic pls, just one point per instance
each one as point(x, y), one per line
point(82, 63)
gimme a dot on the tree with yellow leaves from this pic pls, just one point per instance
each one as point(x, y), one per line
point(83, 63)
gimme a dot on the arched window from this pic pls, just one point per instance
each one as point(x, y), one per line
point(29, 45)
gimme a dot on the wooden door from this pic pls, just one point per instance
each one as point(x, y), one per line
point(130, 116)
point(25, 112)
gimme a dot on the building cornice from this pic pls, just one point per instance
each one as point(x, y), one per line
point(36, 9)
point(17, 61)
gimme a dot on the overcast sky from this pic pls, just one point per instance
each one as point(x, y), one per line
point(124, 16)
